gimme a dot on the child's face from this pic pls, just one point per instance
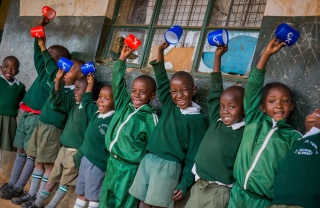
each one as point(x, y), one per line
point(141, 92)
point(231, 108)
point(182, 92)
point(105, 101)
point(74, 73)
point(9, 69)
point(313, 120)
point(278, 103)
point(79, 88)
point(55, 54)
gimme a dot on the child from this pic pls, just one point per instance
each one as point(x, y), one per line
point(297, 183)
point(218, 149)
point(93, 163)
point(128, 134)
point(266, 139)
point(44, 144)
point(174, 142)
point(64, 170)
point(31, 105)
point(13, 91)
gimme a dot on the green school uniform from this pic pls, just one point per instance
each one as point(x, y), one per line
point(298, 181)
point(126, 140)
point(76, 125)
point(93, 146)
point(13, 93)
point(262, 151)
point(177, 136)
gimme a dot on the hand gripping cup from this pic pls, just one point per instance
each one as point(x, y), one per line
point(287, 34)
point(173, 34)
point(132, 41)
point(218, 37)
point(88, 68)
point(48, 12)
point(64, 64)
point(38, 32)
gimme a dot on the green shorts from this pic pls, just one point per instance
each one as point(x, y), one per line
point(156, 181)
point(117, 181)
point(26, 124)
point(44, 144)
point(8, 127)
point(64, 170)
point(204, 194)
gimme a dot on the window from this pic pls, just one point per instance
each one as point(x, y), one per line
point(149, 19)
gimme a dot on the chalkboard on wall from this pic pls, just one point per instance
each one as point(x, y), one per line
point(298, 66)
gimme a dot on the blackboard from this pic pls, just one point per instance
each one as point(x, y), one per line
point(298, 66)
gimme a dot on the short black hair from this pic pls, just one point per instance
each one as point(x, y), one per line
point(64, 52)
point(14, 59)
point(268, 87)
point(150, 80)
point(82, 79)
point(239, 90)
point(185, 75)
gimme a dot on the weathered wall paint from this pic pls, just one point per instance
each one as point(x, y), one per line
point(4, 7)
point(66, 8)
point(292, 8)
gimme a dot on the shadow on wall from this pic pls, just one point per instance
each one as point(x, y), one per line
point(1, 31)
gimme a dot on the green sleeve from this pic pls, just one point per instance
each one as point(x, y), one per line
point(214, 96)
point(22, 93)
point(38, 58)
point(151, 122)
point(62, 102)
point(253, 95)
point(89, 105)
point(198, 129)
point(50, 65)
point(163, 83)
point(118, 83)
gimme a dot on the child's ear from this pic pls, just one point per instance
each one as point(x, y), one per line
point(80, 75)
point(262, 108)
point(17, 72)
point(292, 107)
point(153, 96)
point(194, 90)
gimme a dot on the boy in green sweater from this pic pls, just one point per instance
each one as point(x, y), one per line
point(218, 149)
point(32, 103)
point(13, 91)
point(266, 138)
point(128, 134)
point(297, 184)
point(64, 170)
point(174, 142)
point(93, 163)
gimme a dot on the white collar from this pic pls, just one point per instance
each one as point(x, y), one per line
point(71, 87)
point(235, 126)
point(110, 113)
point(194, 109)
point(80, 104)
point(312, 131)
point(11, 83)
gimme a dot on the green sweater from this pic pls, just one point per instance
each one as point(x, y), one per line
point(52, 116)
point(11, 96)
point(75, 128)
point(93, 147)
point(40, 88)
point(298, 181)
point(269, 153)
point(177, 136)
point(130, 128)
point(218, 149)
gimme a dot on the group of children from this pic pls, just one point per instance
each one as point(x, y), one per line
point(112, 146)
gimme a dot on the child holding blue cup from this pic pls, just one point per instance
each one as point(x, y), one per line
point(88, 68)
point(64, 64)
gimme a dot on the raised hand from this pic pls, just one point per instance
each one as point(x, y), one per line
point(125, 52)
point(221, 50)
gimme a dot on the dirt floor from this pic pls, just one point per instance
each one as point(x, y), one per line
point(7, 204)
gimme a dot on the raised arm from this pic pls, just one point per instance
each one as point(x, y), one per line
point(216, 85)
point(119, 87)
point(38, 58)
point(88, 104)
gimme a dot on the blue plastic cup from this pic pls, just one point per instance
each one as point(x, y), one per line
point(287, 34)
point(64, 64)
point(88, 68)
point(173, 34)
point(218, 37)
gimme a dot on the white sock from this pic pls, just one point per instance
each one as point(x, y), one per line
point(93, 204)
point(79, 203)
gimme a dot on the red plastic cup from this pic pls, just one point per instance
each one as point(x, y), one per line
point(48, 12)
point(37, 32)
point(132, 41)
